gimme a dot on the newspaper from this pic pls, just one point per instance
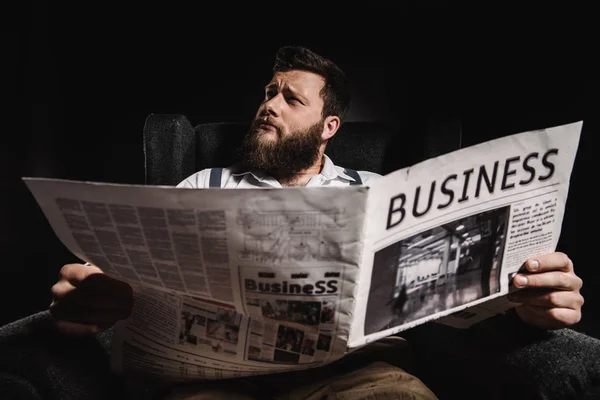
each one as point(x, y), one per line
point(240, 282)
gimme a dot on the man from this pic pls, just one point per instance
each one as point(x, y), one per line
point(303, 108)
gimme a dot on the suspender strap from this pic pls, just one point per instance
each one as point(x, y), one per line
point(215, 177)
point(352, 173)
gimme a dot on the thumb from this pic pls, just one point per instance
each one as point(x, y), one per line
point(76, 273)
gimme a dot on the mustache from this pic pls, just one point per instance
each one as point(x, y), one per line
point(262, 120)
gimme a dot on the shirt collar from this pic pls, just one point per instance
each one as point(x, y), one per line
point(238, 170)
point(329, 171)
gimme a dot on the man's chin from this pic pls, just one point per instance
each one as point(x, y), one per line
point(267, 135)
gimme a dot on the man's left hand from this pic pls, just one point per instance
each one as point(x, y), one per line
point(549, 294)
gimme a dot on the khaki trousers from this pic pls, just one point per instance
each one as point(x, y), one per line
point(368, 373)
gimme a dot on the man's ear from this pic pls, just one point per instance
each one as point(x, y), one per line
point(330, 127)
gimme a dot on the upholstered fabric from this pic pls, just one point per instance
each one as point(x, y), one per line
point(169, 149)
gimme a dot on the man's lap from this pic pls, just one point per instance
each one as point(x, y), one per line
point(490, 358)
point(377, 380)
point(374, 371)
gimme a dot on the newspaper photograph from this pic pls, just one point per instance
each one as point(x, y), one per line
point(438, 269)
point(451, 232)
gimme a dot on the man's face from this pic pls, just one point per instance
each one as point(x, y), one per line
point(286, 133)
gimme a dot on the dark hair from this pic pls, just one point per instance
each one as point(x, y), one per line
point(335, 92)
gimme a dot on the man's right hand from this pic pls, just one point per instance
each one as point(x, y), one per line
point(86, 301)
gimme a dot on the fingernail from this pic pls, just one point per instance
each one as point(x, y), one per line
point(534, 265)
point(521, 280)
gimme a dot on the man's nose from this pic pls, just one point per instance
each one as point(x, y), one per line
point(273, 106)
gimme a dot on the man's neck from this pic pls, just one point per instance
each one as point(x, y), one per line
point(300, 178)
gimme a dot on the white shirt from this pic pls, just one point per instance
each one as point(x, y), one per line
point(330, 175)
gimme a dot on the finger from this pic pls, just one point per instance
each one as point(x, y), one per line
point(550, 318)
point(97, 287)
point(76, 273)
point(535, 317)
point(76, 329)
point(556, 261)
point(553, 279)
point(89, 315)
point(548, 298)
point(81, 302)
point(532, 318)
point(61, 289)
point(84, 300)
point(105, 287)
point(102, 317)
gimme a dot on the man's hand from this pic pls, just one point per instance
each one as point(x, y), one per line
point(550, 295)
point(86, 301)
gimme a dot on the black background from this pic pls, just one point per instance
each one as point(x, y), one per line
point(80, 80)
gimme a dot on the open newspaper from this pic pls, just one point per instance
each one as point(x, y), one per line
point(238, 282)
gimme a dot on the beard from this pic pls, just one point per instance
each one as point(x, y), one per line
point(287, 155)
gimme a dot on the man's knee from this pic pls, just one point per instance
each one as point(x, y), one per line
point(376, 380)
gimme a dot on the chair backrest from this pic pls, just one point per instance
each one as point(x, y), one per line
point(173, 149)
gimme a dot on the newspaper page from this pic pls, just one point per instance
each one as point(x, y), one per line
point(227, 282)
point(445, 237)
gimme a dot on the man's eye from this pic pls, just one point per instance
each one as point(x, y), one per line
point(293, 100)
point(271, 94)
